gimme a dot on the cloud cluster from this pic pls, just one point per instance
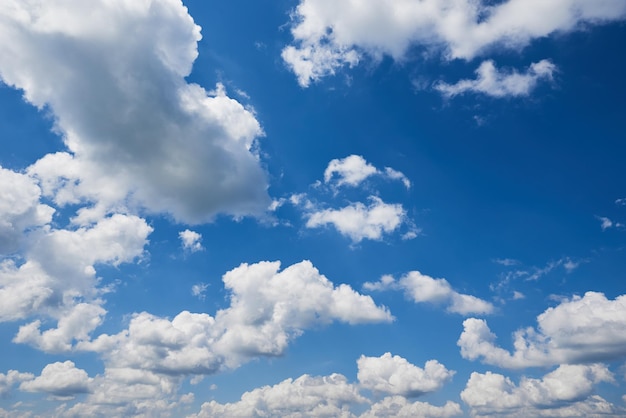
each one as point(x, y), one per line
point(424, 289)
point(567, 391)
point(583, 329)
point(138, 135)
point(61, 379)
point(191, 240)
point(354, 169)
point(329, 35)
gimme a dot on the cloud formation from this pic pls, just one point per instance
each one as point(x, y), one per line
point(191, 240)
point(354, 169)
point(566, 391)
point(424, 289)
point(495, 83)
point(61, 379)
point(137, 134)
point(329, 35)
point(579, 330)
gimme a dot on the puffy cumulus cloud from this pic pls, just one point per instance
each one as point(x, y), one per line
point(394, 375)
point(329, 35)
point(191, 240)
point(20, 209)
point(424, 289)
point(137, 134)
point(591, 328)
point(492, 82)
point(306, 396)
point(354, 169)
point(267, 309)
point(58, 278)
point(566, 391)
point(10, 379)
point(60, 379)
point(398, 406)
point(358, 221)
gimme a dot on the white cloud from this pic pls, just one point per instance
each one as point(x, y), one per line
point(359, 222)
point(354, 169)
point(267, 309)
point(591, 328)
point(606, 223)
point(20, 209)
point(398, 406)
point(199, 290)
point(566, 391)
point(60, 379)
point(508, 262)
point(329, 35)
point(493, 82)
point(191, 240)
point(306, 396)
point(424, 289)
point(621, 202)
point(137, 133)
point(11, 378)
point(394, 375)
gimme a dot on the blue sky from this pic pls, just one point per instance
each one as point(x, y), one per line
point(312, 208)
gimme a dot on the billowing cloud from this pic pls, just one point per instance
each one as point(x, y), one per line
point(394, 375)
point(191, 240)
point(137, 133)
point(591, 328)
point(329, 35)
point(398, 406)
point(354, 169)
point(358, 221)
point(60, 379)
point(11, 378)
point(492, 82)
point(20, 209)
point(424, 289)
point(267, 309)
point(567, 391)
point(306, 396)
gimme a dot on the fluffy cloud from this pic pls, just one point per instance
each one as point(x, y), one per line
point(11, 378)
point(267, 309)
point(591, 328)
point(567, 391)
point(358, 221)
point(191, 240)
point(20, 209)
point(492, 82)
point(606, 223)
point(306, 396)
point(329, 35)
point(425, 289)
point(397, 406)
point(394, 375)
point(354, 169)
point(137, 133)
point(59, 379)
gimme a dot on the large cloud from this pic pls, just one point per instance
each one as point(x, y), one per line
point(425, 289)
point(112, 74)
point(267, 309)
point(591, 328)
point(394, 375)
point(567, 391)
point(328, 34)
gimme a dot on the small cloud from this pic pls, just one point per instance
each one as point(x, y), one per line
point(508, 262)
point(606, 223)
point(199, 290)
point(518, 295)
point(621, 202)
point(191, 240)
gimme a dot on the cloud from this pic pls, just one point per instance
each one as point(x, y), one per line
point(191, 240)
point(566, 391)
point(20, 209)
point(397, 406)
point(495, 83)
point(306, 396)
point(329, 35)
point(579, 330)
point(199, 290)
point(60, 379)
point(394, 375)
point(354, 169)
point(621, 202)
point(11, 378)
point(606, 223)
point(267, 310)
point(508, 262)
point(424, 289)
point(137, 134)
point(358, 221)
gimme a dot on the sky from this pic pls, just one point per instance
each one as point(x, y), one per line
point(312, 208)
